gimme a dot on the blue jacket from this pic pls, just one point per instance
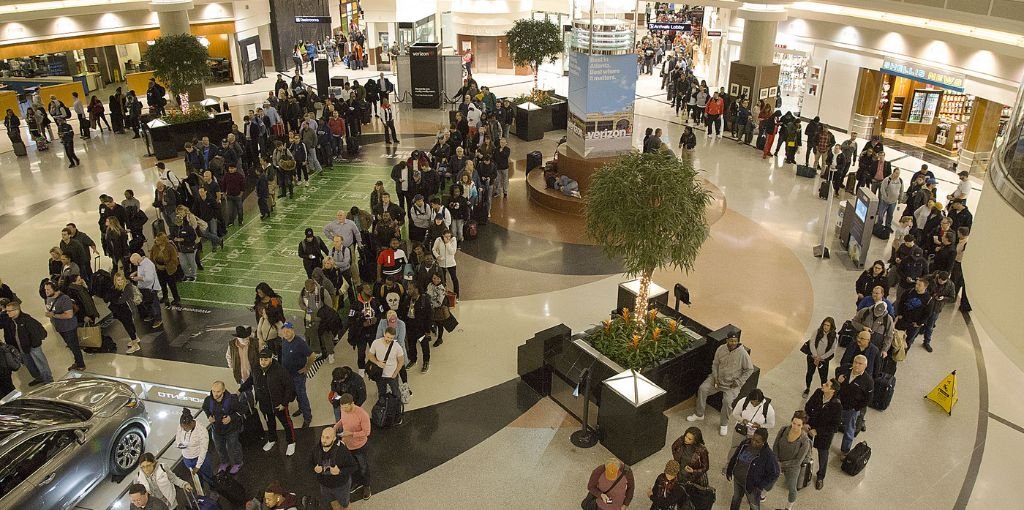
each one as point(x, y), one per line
point(764, 469)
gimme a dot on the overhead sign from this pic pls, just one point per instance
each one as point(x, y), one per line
point(664, 25)
point(932, 76)
point(602, 90)
point(714, 33)
point(313, 19)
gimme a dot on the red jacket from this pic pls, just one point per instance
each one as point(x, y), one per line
point(337, 126)
point(715, 106)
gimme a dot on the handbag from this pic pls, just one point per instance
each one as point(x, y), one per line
point(806, 348)
point(590, 501)
point(451, 298)
point(441, 313)
point(90, 336)
point(374, 372)
point(703, 498)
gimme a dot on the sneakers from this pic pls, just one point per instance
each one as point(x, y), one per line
point(819, 483)
point(157, 324)
point(269, 445)
point(330, 359)
point(438, 342)
point(366, 492)
point(723, 430)
point(426, 367)
point(694, 417)
point(411, 364)
point(291, 450)
point(133, 347)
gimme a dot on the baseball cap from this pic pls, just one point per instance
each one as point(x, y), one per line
point(287, 325)
point(266, 353)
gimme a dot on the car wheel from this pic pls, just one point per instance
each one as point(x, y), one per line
point(127, 450)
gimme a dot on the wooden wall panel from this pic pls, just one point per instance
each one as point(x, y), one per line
point(77, 42)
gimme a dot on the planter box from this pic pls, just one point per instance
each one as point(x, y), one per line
point(532, 121)
point(167, 141)
point(559, 114)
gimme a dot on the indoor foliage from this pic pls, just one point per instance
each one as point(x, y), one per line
point(193, 115)
point(179, 61)
point(650, 211)
point(537, 97)
point(531, 42)
point(659, 339)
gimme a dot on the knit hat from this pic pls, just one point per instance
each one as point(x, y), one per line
point(309, 232)
point(439, 217)
point(243, 332)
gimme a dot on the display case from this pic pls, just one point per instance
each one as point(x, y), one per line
point(956, 107)
point(947, 137)
point(792, 75)
point(924, 106)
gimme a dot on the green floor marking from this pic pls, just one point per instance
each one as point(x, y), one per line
point(266, 250)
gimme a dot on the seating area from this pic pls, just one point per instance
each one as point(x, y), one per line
point(552, 199)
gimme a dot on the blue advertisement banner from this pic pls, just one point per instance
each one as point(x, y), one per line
point(946, 80)
point(602, 91)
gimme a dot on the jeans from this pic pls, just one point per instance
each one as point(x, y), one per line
point(849, 428)
point(501, 183)
point(885, 211)
point(274, 415)
point(187, 261)
point(822, 369)
point(929, 327)
point(912, 333)
point(364, 466)
point(299, 382)
point(457, 228)
point(312, 163)
point(150, 308)
point(71, 339)
point(37, 365)
point(792, 477)
point(205, 471)
point(210, 233)
point(229, 448)
point(385, 383)
point(728, 395)
point(823, 460)
point(739, 492)
point(233, 209)
point(286, 184)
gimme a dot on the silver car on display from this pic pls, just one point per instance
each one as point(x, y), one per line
point(61, 440)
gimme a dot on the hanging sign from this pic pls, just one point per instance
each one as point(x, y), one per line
point(932, 76)
point(313, 19)
point(665, 25)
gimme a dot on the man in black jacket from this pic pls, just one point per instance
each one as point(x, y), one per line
point(274, 391)
point(417, 322)
point(855, 394)
point(28, 335)
point(752, 469)
point(334, 465)
point(343, 381)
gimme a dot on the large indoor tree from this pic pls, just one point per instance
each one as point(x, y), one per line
point(531, 42)
point(179, 61)
point(650, 210)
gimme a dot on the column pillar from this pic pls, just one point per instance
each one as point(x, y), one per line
point(172, 16)
point(755, 69)
point(976, 150)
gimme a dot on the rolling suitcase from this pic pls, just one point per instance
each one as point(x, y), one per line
point(20, 149)
point(851, 182)
point(388, 411)
point(857, 459)
point(480, 215)
point(885, 386)
point(805, 171)
point(229, 488)
point(823, 189)
point(805, 475)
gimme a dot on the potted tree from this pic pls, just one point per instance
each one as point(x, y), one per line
point(179, 61)
point(532, 42)
point(649, 210)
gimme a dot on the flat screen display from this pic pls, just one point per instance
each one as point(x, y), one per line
point(861, 209)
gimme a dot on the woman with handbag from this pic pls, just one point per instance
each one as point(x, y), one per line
point(692, 455)
point(668, 492)
point(444, 251)
point(610, 487)
point(438, 294)
point(824, 417)
point(819, 351)
point(751, 413)
point(119, 300)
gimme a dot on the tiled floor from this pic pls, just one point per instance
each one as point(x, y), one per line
point(526, 272)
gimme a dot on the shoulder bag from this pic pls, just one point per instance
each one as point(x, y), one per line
point(374, 372)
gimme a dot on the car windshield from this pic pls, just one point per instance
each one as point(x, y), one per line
point(28, 413)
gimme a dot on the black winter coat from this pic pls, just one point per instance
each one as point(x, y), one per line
point(272, 385)
point(825, 418)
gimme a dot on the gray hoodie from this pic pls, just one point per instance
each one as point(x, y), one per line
point(731, 368)
point(890, 189)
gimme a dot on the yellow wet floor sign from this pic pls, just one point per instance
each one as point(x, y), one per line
point(945, 394)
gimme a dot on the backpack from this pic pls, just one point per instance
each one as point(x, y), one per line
point(287, 161)
point(64, 108)
point(899, 346)
point(10, 357)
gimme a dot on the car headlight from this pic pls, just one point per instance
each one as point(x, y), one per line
point(133, 401)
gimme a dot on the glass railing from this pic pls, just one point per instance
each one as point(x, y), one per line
point(1007, 170)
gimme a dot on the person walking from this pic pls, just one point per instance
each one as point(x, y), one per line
point(273, 389)
point(354, 428)
point(824, 417)
point(387, 115)
point(855, 393)
point(312, 250)
point(297, 359)
point(729, 370)
point(611, 485)
point(752, 469)
point(67, 139)
point(224, 412)
point(819, 351)
point(30, 335)
point(334, 465)
point(60, 311)
point(792, 446)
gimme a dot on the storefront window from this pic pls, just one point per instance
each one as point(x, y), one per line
point(1008, 172)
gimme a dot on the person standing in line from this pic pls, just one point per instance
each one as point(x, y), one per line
point(353, 427)
point(30, 335)
point(312, 250)
point(141, 499)
point(752, 469)
point(943, 291)
point(820, 350)
point(159, 482)
point(119, 299)
point(792, 446)
point(297, 359)
point(344, 380)
point(273, 391)
point(146, 279)
point(824, 417)
point(194, 443)
point(692, 455)
point(855, 393)
point(501, 163)
point(752, 413)
point(364, 314)
point(612, 485)
point(729, 370)
point(889, 192)
point(67, 139)
point(334, 466)
point(387, 114)
point(83, 121)
point(444, 250)
point(60, 311)
point(668, 492)
point(912, 312)
point(417, 319)
point(233, 186)
point(223, 410)
point(389, 356)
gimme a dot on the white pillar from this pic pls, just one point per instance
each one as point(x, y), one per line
point(172, 15)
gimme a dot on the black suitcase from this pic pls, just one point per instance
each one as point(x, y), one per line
point(805, 475)
point(388, 411)
point(480, 215)
point(847, 334)
point(805, 171)
point(881, 231)
point(885, 386)
point(352, 143)
point(857, 459)
point(229, 488)
point(534, 160)
point(851, 182)
point(20, 149)
point(823, 189)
